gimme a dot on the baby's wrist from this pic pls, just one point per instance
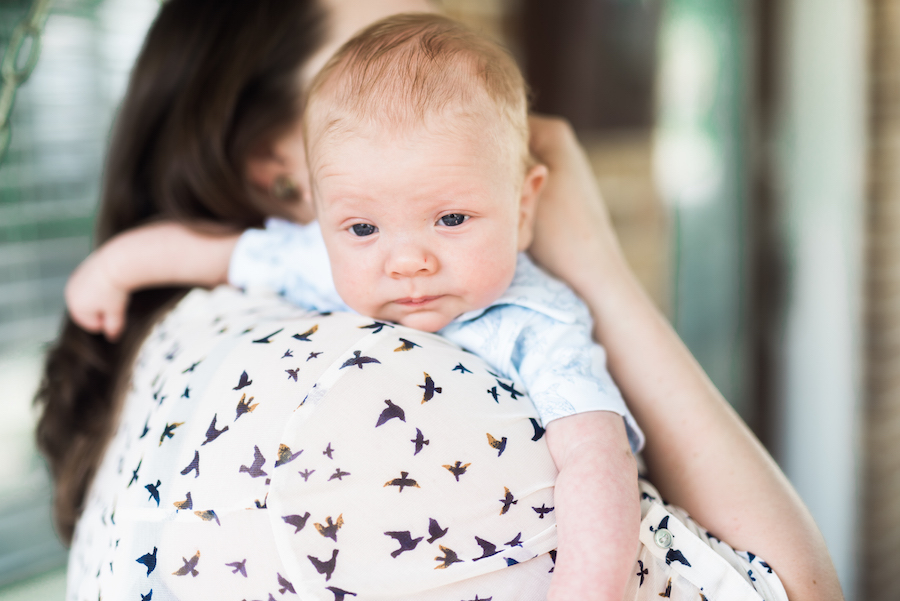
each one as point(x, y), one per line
point(112, 267)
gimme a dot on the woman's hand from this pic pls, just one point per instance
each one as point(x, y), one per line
point(572, 226)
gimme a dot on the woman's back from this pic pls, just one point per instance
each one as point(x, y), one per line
point(262, 449)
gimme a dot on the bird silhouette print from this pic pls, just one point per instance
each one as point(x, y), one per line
point(668, 591)
point(239, 566)
point(314, 355)
point(169, 431)
point(449, 558)
point(243, 382)
point(515, 542)
point(538, 430)
point(358, 361)
point(208, 516)
point(306, 474)
point(157, 394)
point(500, 445)
point(267, 339)
point(297, 521)
point(153, 489)
point(146, 428)
point(419, 441)
point(406, 346)
point(292, 373)
point(255, 470)
point(392, 411)
point(187, 393)
point(507, 500)
point(212, 433)
point(338, 475)
point(148, 596)
point(244, 407)
point(192, 367)
point(287, 353)
point(461, 369)
point(642, 571)
point(510, 388)
point(172, 353)
point(305, 335)
point(285, 455)
point(435, 531)
point(543, 510)
point(193, 466)
point(325, 567)
point(134, 474)
point(328, 451)
point(285, 585)
point(493, 393)
point(339, 594)
point(407, 542)
point(188, 503)
point(189, 567)
point(430, 389)
point(376, 327)
point(457, 469)
point(674, 555)
point(488, 549)
point(149, 560)
point(402, 482)
point(329, 530)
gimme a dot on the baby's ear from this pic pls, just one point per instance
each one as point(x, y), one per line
point(535, 178)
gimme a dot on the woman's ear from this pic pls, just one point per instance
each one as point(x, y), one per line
point(279, 168)
point(264, 167)
point(535, 178)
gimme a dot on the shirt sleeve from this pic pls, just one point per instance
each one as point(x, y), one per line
point(288, 259)
point(564, 371)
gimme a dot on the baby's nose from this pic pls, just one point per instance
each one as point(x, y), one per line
point(409, 259)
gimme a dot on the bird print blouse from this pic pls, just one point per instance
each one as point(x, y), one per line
point(264, 452)
point(538, 334)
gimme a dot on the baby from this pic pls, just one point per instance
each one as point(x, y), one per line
point(416, 136)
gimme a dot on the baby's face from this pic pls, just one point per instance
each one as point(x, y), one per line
point(420, 228)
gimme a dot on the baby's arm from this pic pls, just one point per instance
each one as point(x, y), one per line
point(158, 254)
point(597, 507)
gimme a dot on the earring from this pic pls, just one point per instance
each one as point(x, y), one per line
point(284, 188)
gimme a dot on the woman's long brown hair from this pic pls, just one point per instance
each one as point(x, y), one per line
point(214, 81)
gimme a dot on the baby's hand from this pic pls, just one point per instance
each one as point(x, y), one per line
point(94, 299)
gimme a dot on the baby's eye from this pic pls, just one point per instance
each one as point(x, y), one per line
point(453, 219)
point(364, 229)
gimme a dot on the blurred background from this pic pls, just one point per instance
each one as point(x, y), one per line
point(749, 152)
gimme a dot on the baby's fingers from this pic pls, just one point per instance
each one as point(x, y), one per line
point(113, 323)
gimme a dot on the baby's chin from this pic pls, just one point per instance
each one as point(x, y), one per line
point(426, 321)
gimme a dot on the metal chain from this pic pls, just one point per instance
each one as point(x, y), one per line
point(11, 74)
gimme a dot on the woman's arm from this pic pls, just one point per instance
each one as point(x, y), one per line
point(699, 452)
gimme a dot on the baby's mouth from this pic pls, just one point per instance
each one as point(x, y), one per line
point(416, 301)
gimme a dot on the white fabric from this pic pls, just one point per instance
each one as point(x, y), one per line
point(255, 437)
point(537, 334)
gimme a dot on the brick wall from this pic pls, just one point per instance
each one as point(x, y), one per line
point(879, 576)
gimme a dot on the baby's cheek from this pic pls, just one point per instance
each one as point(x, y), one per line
point(350, 284)
point(490, 282)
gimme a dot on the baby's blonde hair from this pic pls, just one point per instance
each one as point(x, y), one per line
point(406, 69)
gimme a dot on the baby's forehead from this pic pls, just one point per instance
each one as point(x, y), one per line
point(471, 129)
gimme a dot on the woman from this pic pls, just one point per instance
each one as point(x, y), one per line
point(223, 131)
